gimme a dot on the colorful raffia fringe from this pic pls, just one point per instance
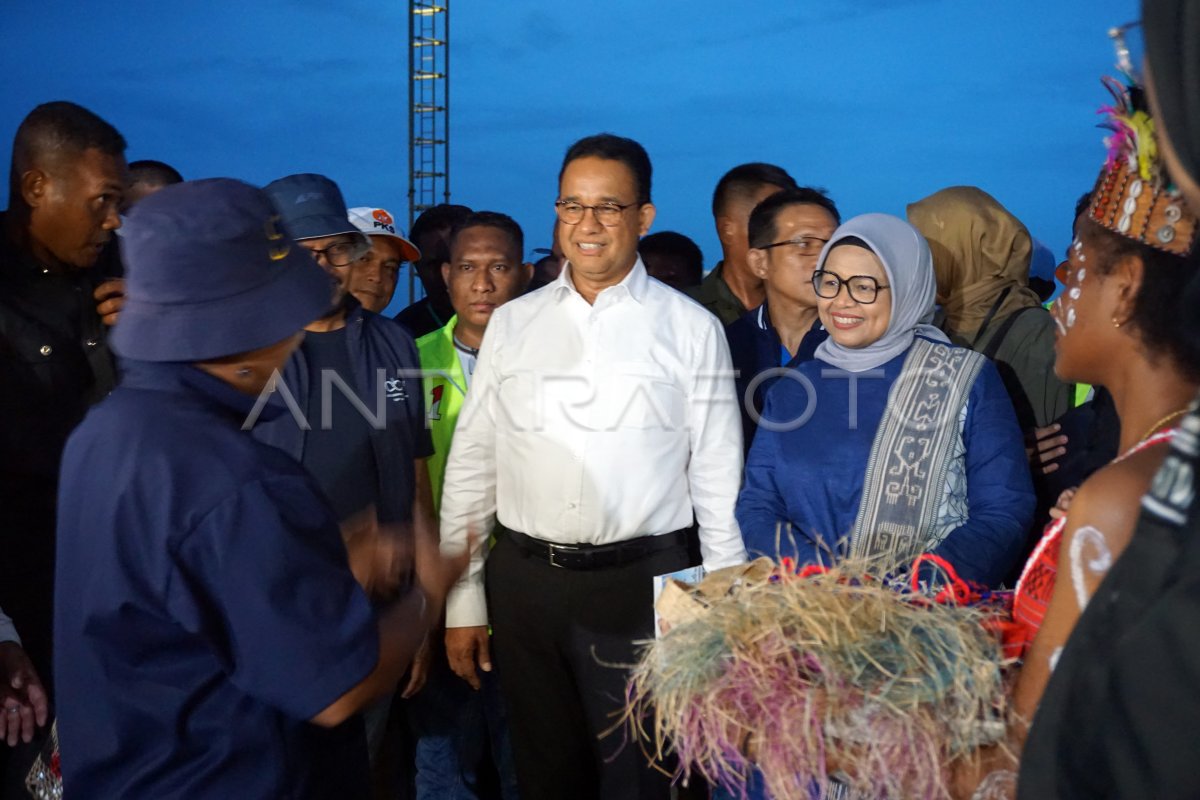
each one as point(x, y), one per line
point(829, 672)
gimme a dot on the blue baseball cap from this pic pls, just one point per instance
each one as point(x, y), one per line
point(212, 271)
point(311, 206)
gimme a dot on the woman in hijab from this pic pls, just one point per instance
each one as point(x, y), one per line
point(890, 443)
point(981, 256)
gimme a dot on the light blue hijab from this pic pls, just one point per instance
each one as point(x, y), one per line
point(908, 265)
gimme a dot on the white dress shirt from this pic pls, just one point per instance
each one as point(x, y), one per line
point(593, 424)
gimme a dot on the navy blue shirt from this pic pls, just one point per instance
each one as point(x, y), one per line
point(755, 347)
point(204, 606)
point(386, 374)
point(337, 451)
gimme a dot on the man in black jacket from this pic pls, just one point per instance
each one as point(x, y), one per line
point(67, 182)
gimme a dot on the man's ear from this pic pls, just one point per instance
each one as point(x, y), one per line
point(526, 273)
point(727, 228)
point(35, 184)
point(446, 272)
point(757, 259)
point(645, 218)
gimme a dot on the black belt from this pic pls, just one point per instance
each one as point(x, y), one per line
point(597, 556)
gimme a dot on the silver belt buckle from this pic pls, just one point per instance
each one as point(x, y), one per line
point(555, 548)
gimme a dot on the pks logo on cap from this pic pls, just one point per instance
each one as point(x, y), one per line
point(375, 221)
point(382, 221)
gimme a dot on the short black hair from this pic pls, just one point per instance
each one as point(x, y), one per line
point(671, 243)
point(55, 130)
point(1160, 304)
point(614, 148)
point(744, 180)
point(490, 219)
point(442, 216)
point(153, 173)
point(762, 231)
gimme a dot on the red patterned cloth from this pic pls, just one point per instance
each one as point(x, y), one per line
point(1036, 585)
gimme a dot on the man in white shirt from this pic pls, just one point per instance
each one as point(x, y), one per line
point(601, 418)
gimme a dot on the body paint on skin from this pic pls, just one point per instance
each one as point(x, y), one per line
point(1099, 562)
point(1064, 319)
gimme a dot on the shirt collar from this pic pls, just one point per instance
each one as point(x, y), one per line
point(636, 283)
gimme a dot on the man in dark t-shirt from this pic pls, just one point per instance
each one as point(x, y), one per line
point(353, 390)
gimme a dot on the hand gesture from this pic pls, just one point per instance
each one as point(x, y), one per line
point(466, 647)
point(1046, 449)
point(381, 556)
point(23, 703)
point(110, 299)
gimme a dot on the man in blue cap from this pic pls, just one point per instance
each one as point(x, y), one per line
point(357, 420)
point(207, 617)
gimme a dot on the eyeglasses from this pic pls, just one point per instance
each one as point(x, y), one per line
point(607, 214)
point(862, 288)
point(805, 245)
point(341, 254)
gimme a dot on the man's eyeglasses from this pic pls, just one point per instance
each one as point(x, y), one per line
point(341, 254)
point(608, 214)
point(862, 288)
point(805, 245)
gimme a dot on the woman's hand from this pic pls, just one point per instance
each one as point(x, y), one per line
point(1063, 504)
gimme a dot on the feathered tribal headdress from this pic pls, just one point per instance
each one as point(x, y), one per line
point(1134, 195)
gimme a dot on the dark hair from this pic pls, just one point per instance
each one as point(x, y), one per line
point(670, 243)
point(744, 180)
point(614, 148)
point(762, 230)
point(442, 216)
point(1160, 303)
point(153, 173)
point(854, 241)
point(1081, 205)
point(490, 219)
point(56, 130)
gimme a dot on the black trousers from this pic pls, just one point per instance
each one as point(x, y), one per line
point(564, 642)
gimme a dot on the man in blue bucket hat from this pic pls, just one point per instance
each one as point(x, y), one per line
point(353, 390)
point(208, 619)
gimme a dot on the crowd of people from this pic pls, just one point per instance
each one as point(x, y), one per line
point(259, 540)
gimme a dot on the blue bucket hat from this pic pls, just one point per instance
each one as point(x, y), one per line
point(212, 272)
point(311, 206)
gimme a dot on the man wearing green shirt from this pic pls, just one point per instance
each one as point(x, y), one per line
point(484, 272)
point(732, 288)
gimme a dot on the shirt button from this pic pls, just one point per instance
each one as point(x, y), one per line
point(570, 505)
point(46, 350)
point(91, 342)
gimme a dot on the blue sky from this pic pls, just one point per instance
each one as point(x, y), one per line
point(879, 101)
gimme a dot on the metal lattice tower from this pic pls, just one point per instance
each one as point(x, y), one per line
point(428, 109)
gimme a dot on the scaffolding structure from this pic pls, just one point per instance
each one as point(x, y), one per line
point(428, 110)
